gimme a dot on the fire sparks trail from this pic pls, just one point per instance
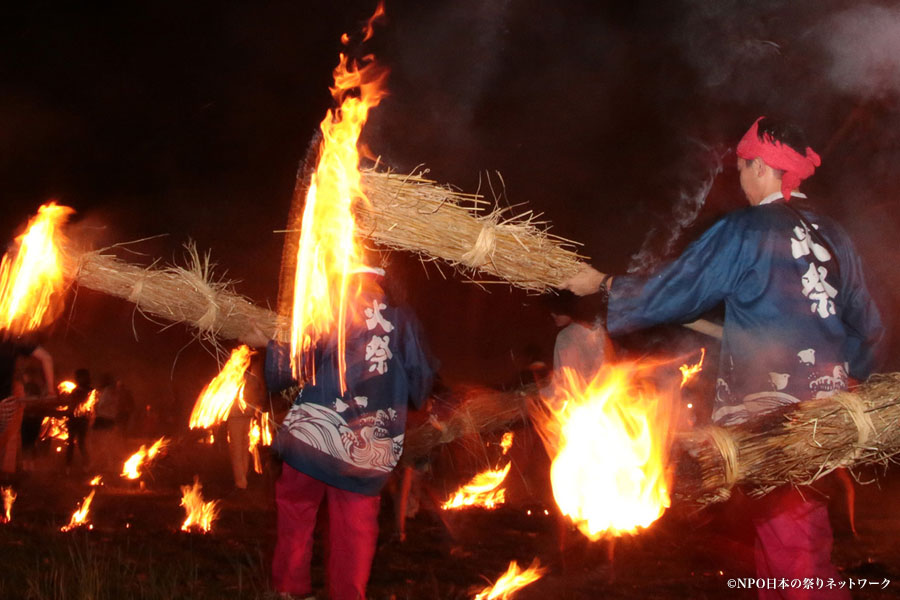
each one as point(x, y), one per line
point(328, 251)
point(141, 458)
point(609, 441)
point(79, 517)
point(483, 490)
point(200, 514)
point(9, 496)
point(32, 277)
point(512, 581)
point(689, 372)
point(216, 399)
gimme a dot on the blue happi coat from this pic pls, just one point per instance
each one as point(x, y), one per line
point(352, 440)
point(798, 321)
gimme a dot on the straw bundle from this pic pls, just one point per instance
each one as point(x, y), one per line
point(476, 411)
point(410, 212)
point(795, 445)
point(186, 294)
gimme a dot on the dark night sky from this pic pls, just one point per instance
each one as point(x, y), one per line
point(190, 118)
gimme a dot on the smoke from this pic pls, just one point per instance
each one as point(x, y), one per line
point(661, 239)
point(863, 45)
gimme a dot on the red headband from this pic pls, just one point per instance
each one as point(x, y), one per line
point(779, 156)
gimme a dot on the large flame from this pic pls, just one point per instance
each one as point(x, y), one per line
point(141, 459)
point(9, 496)
point(609, 440)
point(688, 372)
point(31, 275)
point(483, 490)
point(328, 251)
point(512, 581)
point(79, 517)
point(217, 398)
point(200, 514)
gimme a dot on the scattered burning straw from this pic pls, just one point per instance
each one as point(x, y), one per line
point(9, 496)
point(609, 440)
point(141, 459)
point(217, 398)
point(329, 251)
point(79, 517)
point(54, 428)
point(200, 514)
point(688, 372)
point(31, 276)
point(260, 435)
point(512, 581)
point(483, 490)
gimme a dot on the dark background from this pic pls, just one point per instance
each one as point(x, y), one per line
point(190, 118)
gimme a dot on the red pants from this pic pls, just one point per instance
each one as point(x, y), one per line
point(793, 541)
point(352, 535)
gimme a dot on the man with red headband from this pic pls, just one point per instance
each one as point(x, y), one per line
point(799, 323)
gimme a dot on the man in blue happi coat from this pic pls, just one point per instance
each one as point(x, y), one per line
point(799, 321)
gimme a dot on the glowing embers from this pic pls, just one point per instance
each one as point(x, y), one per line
point(688, 372)
point(216, 399)
point(608, 439)
point(328, 252)
point(9, 497)
point(199, 514)
point(79, 517)
point(141, 459)
point(512, 581)
point(484, 489)
point(31, 274)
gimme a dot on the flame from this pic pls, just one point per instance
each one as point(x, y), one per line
point(260, 435)
point(609, 440)
point(689, 372)
point(96, 481)
point(200, 514)
point(512, 581)
point(482, 491)
point(54, 428)
point(142, 458)
point(328, 251)
point(79, 517)
point(87, 407)
point(32, 275)
point(66, 387)
point(506, 442)
point(216, 399)
point(9, 496)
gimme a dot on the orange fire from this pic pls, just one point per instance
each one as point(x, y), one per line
point(54, 428)
point(512, 581)
point(506, 442)
point(609, 440)
point(260, 435)
point(31, 276)
point(483, 490)
point(216, 399)
point(9, 496)
point(87, 407)
point(141, 458)
point(689, 372)
point(328, 251)
point(200, 514)
point(98, 480)
point(66, 387)
point(79, 517)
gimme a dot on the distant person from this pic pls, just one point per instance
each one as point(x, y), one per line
point(342, 446)
point(239, 422)
point(78, 419)
point(13, 424)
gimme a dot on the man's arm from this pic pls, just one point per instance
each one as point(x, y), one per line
point(46, 361)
